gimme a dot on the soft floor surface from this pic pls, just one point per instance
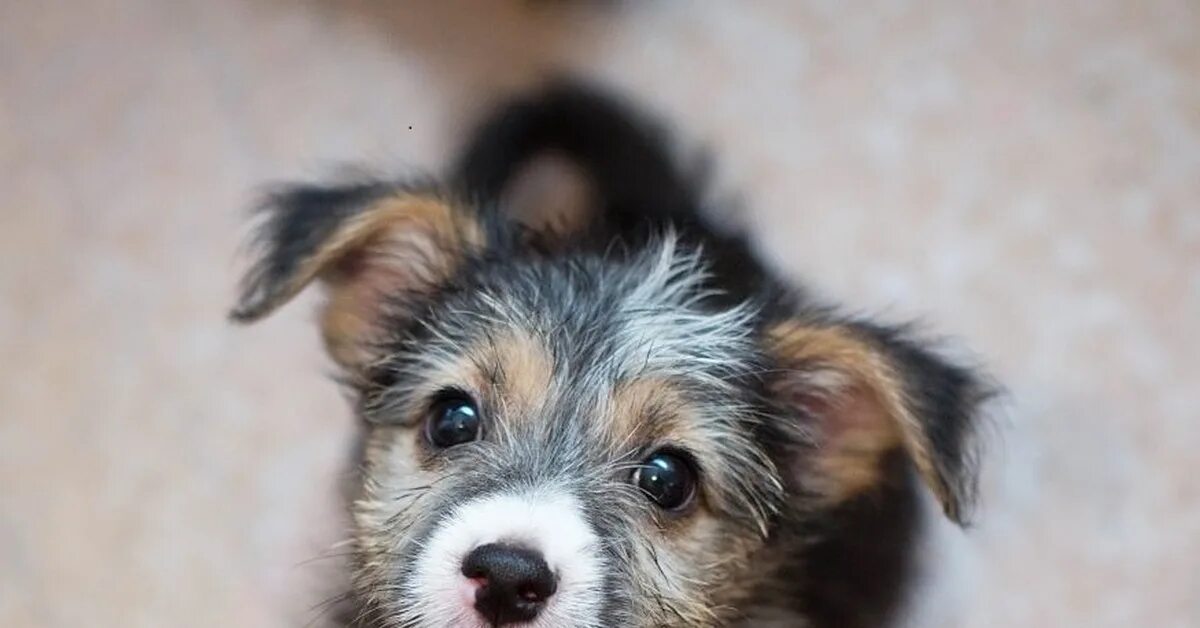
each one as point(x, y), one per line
point(1024, 176)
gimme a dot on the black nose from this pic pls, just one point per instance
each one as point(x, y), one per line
point(516, 582)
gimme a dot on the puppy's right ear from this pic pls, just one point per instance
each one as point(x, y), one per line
point(372, 245)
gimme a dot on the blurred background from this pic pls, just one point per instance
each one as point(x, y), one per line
point(1022, 176)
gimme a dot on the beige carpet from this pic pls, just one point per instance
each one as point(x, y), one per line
point(1024, 176)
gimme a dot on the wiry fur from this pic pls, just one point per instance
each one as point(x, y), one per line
point(592, 342)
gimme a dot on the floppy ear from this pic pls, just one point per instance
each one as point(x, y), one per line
point(370, 244)
point(869, 391)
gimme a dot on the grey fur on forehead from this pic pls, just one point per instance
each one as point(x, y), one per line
point(646, 313)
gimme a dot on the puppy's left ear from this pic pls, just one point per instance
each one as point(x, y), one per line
point(376, 247)
point(867, 391)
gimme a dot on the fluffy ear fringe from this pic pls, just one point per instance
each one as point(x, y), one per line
point(871, 390)
point(365, 242)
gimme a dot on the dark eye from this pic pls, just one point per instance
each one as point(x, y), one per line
point(668, 479)
point(453, 420)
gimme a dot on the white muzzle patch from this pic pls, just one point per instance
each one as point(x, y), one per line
point(548, 522)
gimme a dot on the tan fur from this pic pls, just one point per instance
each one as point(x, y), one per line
point(392, 476)
point(508, 370)
point(646, 408)
point(400, 243)
point(856, 393)
point(524, 369)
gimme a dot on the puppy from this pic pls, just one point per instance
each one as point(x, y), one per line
point(612, 413)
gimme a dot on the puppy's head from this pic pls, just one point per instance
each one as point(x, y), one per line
point(572, 436)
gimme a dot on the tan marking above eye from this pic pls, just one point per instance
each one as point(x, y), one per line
point(523, 368)
point(509, 373)
point(636, 400)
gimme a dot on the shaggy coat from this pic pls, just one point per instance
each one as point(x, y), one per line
point(580, 348)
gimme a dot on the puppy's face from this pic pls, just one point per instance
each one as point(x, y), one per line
point(588, 425)
point(571, 438)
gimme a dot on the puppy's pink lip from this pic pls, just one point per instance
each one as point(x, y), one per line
point(467, 588)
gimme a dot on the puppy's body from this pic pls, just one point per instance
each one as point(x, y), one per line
point(609, 416)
